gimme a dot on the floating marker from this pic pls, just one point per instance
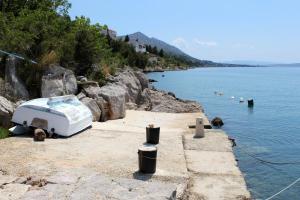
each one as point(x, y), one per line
point(250, 102)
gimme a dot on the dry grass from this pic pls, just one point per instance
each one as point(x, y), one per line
point(105, 70)
point(49, 58)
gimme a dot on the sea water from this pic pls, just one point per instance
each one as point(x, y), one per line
point(269, 131)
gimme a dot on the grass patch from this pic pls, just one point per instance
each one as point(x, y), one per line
point(3, 133)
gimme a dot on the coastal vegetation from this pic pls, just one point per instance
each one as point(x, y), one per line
point(43, 31)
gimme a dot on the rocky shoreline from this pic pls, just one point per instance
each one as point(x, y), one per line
point(128, 89)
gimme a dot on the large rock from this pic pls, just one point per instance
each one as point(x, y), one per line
point(104, 107)
point(92, 91)
point(6, 111)
point(160, 101)
point(144, 81)
point(58, 81)
point(217, 121)
point(14, 87)
point(113, 94)
point(93, 106)
point(131, 85)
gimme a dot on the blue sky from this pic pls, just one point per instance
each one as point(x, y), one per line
point(218, 30)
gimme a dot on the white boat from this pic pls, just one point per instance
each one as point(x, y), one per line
point(63, 115)
point(242, 100)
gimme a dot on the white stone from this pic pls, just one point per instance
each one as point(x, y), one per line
point(199, 128)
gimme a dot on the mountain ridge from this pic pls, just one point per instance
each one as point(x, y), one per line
point(141, 38)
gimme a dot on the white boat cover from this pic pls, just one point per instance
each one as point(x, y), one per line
point(63, 115)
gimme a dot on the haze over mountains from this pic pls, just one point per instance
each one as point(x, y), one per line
point(262, 63)
point(172, 50)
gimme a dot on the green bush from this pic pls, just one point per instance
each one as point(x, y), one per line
point(43, 31)
point(3, 133)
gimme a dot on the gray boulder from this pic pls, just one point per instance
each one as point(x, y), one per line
point(144, 81)
point(14, 87)
point(92, 91)
point(58, 81)
point(6, 111)
point(81, 95)
point(104, 107)
point(93, 106)
point(114, 95)
point(131, 85)
point(131, 106)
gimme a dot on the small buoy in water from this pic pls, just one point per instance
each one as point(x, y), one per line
point(250, 102)
point(163, 75)
point(232, 97)
point(241, 100)
point(216, 92)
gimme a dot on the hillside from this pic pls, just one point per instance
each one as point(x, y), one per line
point(169, 49)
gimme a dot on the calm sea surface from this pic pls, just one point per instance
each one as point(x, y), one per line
point(269, 131)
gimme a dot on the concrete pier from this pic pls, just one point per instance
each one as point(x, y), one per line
point(102, 163)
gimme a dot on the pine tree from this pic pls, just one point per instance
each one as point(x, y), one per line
point(126, 38)
point(161, 53)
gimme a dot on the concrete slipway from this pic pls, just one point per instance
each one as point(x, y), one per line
point(102, 163)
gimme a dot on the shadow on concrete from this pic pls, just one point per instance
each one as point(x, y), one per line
point(29, 132)
point(142, 177)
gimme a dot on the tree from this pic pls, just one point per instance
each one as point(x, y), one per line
point(161, 53)
point(126, 38)
point(154, 50)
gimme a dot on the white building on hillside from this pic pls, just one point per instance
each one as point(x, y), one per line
point(141, 48)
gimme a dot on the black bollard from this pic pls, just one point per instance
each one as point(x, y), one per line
point(152, 134)
point(147, 159)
